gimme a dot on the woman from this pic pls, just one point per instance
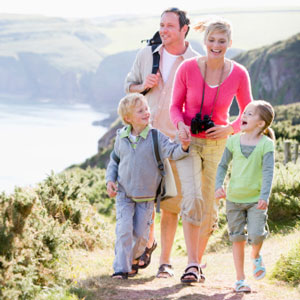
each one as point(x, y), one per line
point(203, 91)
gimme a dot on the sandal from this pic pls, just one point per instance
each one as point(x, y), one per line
point(119, 275)
point(242, 287)
point(165, 271)
point(259, 267)
point(197, 276)
point(134, 268)
point(146, 256)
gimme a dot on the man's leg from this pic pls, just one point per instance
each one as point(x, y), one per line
point(168, 228)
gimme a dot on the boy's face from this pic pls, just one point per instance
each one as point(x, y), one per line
point(139, 116)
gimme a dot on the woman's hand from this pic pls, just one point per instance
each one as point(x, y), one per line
point(184, 132)
point(111, 188)
point(220, 193)
point(219, 132)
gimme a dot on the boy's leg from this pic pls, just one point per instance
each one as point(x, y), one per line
point(151, 233)
point(142, 220)
point(124, 227)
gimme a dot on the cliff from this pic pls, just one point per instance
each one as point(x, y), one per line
point(275, 71)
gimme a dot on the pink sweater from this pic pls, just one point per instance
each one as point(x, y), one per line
point(187, 95)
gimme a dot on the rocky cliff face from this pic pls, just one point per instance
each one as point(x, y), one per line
point(275, 71)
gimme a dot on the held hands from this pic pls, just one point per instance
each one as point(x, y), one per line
point(220, 193)
point(219, 132)
point(111, 189)
point(184, 135)
point(262, 204)
point(151, 81)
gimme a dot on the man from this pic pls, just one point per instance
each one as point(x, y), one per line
point(174, 26)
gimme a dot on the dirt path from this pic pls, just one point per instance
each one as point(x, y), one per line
point(95, 269)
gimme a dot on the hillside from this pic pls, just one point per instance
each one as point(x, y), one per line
point(275, 71)
point(68, 60)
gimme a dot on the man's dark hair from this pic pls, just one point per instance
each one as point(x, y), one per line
point(183, 19)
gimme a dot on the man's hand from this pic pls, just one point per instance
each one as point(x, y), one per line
point(111, 188)
point(151, 81)
point(220, 193)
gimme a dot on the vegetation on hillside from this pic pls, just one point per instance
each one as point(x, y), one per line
point(71, 210)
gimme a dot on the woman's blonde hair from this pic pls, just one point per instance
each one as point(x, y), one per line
point(127, 103)
point(266, 113)
point(213, 24)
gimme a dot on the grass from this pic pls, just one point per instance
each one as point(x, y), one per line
point(89, 274)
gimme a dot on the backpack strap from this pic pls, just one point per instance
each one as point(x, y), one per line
point(155, 64)
point(161, 168)
point(115, 157)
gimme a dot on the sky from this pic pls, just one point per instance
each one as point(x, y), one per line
point(95, 8)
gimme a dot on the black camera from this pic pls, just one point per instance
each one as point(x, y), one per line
point(199, 125)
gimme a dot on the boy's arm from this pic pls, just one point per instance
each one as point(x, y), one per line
point(171, 149)
point(222, 168)
point(113, 166)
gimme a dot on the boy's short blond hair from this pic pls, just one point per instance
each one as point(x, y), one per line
point(127, 103)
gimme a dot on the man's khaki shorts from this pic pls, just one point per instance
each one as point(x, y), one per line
point(197, 173)
point(173, 205)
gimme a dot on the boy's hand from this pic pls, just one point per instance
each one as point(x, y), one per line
point(220, 193)
point(111, 188)
point(262, 204)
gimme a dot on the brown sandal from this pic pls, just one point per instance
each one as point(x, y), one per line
point(134, 268)
point(146, 256)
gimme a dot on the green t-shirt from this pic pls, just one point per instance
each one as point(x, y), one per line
point(246, 175)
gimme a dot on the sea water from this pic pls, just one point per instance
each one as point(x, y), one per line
point(36, 139)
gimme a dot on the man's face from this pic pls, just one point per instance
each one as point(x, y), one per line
point(169, 30)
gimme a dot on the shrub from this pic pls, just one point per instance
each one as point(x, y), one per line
point(287, 268)
point(38, 225)
point(285, 197)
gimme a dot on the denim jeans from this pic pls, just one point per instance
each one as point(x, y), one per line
point(132, 230)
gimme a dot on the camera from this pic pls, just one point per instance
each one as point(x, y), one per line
point(199, 125)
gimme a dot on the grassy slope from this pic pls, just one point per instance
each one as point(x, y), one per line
point(91, 271)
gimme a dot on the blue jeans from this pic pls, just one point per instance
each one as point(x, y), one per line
point(132, 230)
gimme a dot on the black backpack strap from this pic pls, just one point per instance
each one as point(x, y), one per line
point(156, 59)
point(160, 166)
point(115, 157)
point(155, 64)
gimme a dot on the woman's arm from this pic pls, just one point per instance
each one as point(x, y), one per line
point(243, 97)
point(178, 96)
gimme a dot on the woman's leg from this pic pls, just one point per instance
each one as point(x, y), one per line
point(211, 153)
point(191, 236)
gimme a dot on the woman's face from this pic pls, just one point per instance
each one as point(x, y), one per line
point(216, 44)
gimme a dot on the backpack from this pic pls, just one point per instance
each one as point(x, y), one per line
point(154, 42)
point(167, 186)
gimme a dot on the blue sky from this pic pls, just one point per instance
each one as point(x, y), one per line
point(94, 8)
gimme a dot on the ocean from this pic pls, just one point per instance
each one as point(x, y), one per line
point(36, 139)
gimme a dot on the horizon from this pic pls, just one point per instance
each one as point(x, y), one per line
point(87, 8)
